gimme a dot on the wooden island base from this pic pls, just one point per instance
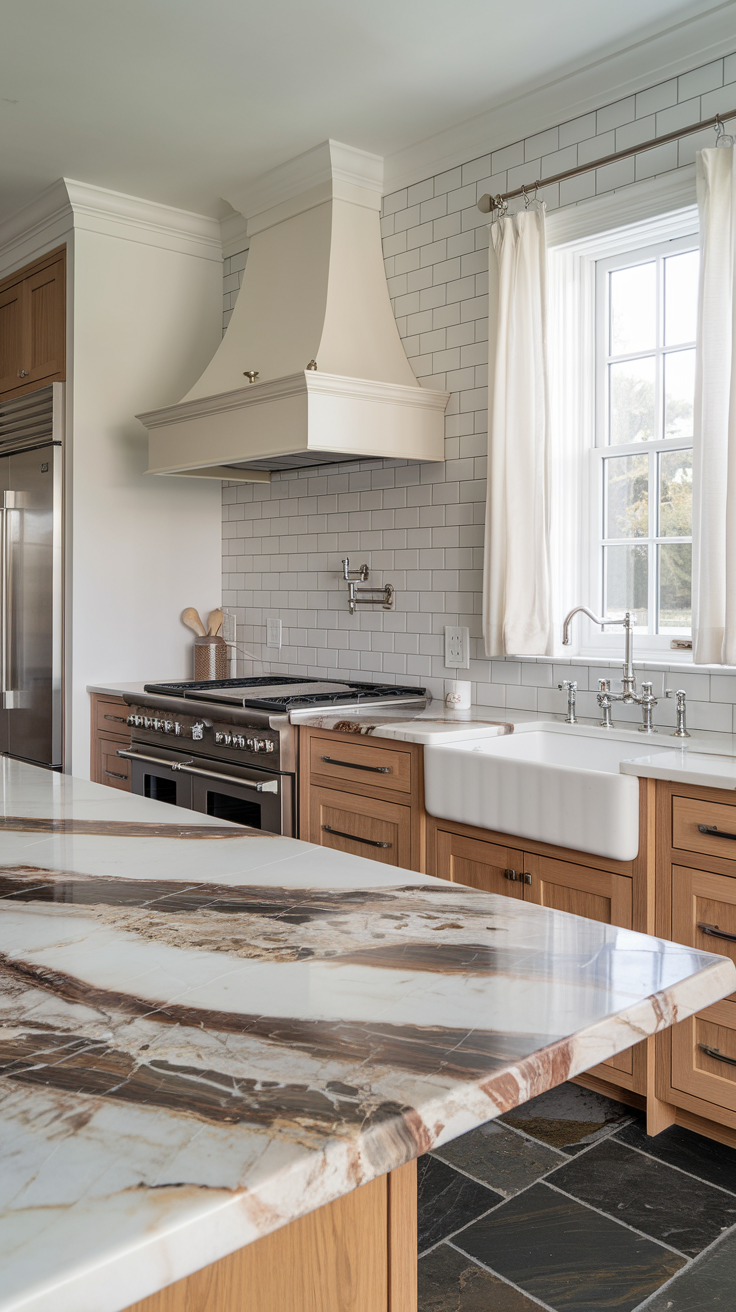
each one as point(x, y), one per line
point(358, 1254)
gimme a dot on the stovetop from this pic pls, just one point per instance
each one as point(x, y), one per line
point(275, 692)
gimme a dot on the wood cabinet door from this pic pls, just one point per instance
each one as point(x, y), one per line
point(45, 313)
point(595, 894)
point(582, 890)
point(11, 337)
point(704, 912)
point(363, 826)
point(478, 864)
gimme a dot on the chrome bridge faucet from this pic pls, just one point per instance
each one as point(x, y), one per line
point(628, 696)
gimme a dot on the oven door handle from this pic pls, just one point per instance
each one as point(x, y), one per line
point(269, 786)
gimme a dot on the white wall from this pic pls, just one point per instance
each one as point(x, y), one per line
point(146, 321)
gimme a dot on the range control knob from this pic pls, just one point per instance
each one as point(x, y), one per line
point(270, 747)
point(238, 741)
point(157, 724)
point(177, 729)
point(168, 726)
point(147, 721)
point(251, 744)
point(224, 739)
point(198, 731)
point(133, 721)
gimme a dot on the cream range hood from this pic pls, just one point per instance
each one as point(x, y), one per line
point(314, 328)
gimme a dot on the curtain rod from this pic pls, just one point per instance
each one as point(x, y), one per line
point(488, 203)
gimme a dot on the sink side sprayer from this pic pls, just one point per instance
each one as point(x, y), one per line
point(645, 699)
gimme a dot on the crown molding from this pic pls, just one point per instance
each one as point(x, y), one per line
point(68, 206)
point(234, 234)
point(328, 171)
point(696, 39)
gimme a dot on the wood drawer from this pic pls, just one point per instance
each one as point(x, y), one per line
point(112, 769)
point(701, 898)
point(710, 1075)
point(363, 826)
point(690, 812)
point(111, 717)
point(356, 763)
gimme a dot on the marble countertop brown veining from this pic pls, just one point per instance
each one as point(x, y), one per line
point(207, 1031)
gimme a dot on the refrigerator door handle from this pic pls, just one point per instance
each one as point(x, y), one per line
point(9, 503)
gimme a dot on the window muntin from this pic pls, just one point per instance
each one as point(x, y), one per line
point(646, 313)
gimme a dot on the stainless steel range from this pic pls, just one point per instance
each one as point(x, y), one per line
point(228, 748)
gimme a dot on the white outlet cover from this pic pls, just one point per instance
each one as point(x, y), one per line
point(457, 647)
point(273, 633)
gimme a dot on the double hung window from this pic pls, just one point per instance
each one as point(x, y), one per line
point(640, 493)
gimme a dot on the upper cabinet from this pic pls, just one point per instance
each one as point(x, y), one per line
point(33, 325)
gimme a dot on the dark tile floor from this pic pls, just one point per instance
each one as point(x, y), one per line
point(565, 1204)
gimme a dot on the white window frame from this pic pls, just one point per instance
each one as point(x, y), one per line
point(602, 450)
point(600, 230)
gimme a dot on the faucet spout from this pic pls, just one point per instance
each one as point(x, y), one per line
point(629, 679)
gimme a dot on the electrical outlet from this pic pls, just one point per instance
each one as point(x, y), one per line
point(273, 633)
point(457, 648)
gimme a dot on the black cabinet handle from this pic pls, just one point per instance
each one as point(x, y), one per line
point(353, 765)
point(715, 832)
point(119, 719)
point(714, 932)
point(716, 1054)
point(339, 833)
point(112, 775)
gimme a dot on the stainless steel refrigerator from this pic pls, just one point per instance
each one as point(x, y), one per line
point(30, 576)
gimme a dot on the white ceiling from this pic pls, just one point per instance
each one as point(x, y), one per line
point(179, 101)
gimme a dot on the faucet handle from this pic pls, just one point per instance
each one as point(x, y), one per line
point(680, 694)
point(604, 685)
point(567, 685)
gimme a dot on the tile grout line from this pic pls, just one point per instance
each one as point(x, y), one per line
point(460, 1229)
point(660, 1242)
point(692, 1263)
point(490, 1270)
point(690, 1175)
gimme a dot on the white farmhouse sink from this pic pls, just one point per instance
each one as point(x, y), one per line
point(552, 786)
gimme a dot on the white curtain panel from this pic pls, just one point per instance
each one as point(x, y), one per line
point(517, 611)
point(714, 440)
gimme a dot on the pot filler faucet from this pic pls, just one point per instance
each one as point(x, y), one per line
point(629, 696)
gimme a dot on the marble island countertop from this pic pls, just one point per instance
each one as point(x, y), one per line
point(207, 1032)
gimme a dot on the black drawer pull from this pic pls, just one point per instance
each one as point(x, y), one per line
point(112, 775)
point(119, 719)
point(339, 833)
point(716, 1054)
point(715, 832)
point(353, 765)
point(714, 932)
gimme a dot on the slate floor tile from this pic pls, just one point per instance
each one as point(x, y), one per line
point(705, 1158)
point(709, 1285)
point(500, 1158)
point(568, 1256)
point(450, 1282)
point(649, 1195)
point(568, 1117)
point(447, 1201)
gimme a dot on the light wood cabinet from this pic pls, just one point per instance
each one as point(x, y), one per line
point(363, 826)
point(33, 325)
point(696, 896)
point(109, 731)
point(362, 795)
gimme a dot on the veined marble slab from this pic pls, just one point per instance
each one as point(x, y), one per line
point(431, 724)
point(206, 1032)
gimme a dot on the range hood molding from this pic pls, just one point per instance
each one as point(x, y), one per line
point(314, 289)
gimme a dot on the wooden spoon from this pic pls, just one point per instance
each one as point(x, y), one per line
point(192, 621)
point(214, 623)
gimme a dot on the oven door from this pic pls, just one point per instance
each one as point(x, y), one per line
point(244, 794)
